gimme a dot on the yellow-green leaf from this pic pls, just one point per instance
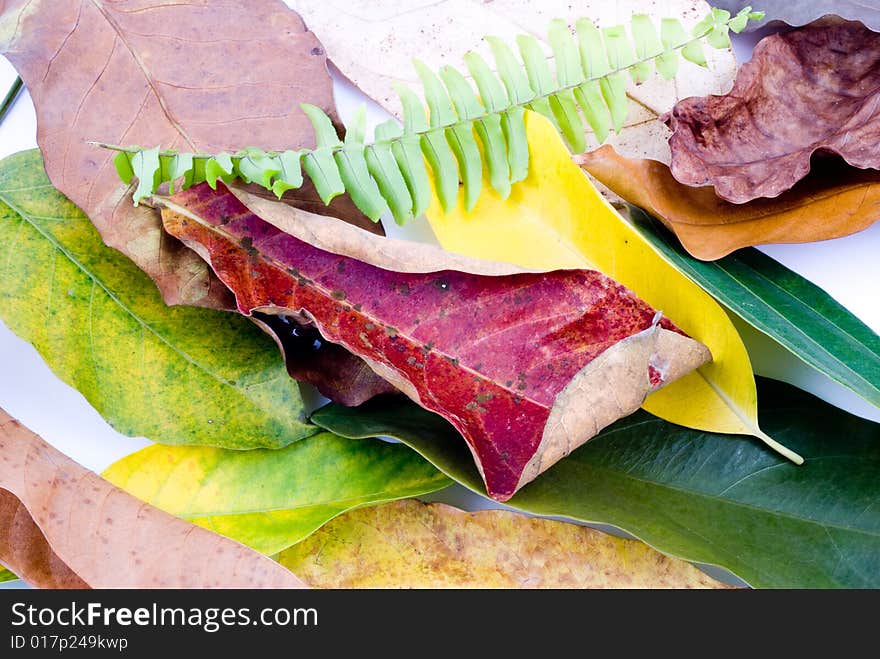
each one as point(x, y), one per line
point(409, 544)
point(270, 499)
point(557, 219)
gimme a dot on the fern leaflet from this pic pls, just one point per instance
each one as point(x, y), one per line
point(463, 128)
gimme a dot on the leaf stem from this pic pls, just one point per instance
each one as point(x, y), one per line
point(11, 97)
point(779, 448)
point(477, 118)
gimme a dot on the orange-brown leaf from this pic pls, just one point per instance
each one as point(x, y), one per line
point(62, 526)
point(834, 200)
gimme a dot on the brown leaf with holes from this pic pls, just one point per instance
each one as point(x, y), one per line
point(62, 526)
point(833, 200)
point(210, 75)
point(810, 91)
point(409, 544)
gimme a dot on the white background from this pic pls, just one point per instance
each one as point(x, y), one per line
point(848, 268)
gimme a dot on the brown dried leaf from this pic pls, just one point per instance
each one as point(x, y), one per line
point(211, 75)
point(811, 90)
point(62, 526)
point(409, 544)
point(833, 200)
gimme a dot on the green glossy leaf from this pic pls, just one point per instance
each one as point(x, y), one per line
point(700, 496)
point(321, 167)
point(289, 169)
point(510, 71)
point(491, 136)
point(255, 166)
point(513, 124)
point(594, 59)
point(408, 154)
point(440, 109)
point(414, 118)
point(358, 182)
point(795, 313)
point(470, 164)
point(6, 575)
point(177, 375)
point(613, 88)
point(672, 35)
point(492, 93)
point(569, 121)
point(174, 167)
point(145, 165)
point(589, 97)
point(384, 169)
point(565, 54)
point(325, 133)
point(438, 154)
point(270, 500)
point(465, 101)
point(218, 167)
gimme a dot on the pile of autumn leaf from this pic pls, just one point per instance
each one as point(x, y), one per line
point(529, 351)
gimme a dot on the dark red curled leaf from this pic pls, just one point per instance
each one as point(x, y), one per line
point(815, 89)
point(526, 366)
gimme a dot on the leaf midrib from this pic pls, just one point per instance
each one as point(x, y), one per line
point(95, 280)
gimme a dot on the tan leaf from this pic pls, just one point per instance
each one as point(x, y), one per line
point(62, 526)
point(834, 200)
point(373, 44)
point(411, 544)
point(212, 75)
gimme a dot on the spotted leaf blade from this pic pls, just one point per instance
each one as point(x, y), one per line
point(527, 366)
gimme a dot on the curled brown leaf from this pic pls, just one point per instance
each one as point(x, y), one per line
point(62, 526)
point(834, 200)
point(812, 90)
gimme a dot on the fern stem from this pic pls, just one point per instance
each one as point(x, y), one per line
point(472, 120)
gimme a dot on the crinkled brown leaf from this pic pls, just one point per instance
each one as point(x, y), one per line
point(527, 366)
point(409, 544)
point(833, 200)
point(808, 91)
point(801, 12)
point(197, 76)
point(62, 526)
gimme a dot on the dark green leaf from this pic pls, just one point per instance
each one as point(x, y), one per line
point(795, 313)
point(701, 496)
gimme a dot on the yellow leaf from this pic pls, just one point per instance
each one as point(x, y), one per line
point(410, 544)
point(557, 219)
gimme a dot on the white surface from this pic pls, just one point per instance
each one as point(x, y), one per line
point(848, 268)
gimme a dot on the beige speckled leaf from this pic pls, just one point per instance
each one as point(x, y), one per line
point(415, 545)
point(62, 526)
point(374, 42)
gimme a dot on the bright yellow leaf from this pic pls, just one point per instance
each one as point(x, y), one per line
point(557, 219)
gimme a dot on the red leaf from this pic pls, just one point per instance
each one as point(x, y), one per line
point(527, 366)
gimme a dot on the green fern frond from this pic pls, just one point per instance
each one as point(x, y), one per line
point(464, 128)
